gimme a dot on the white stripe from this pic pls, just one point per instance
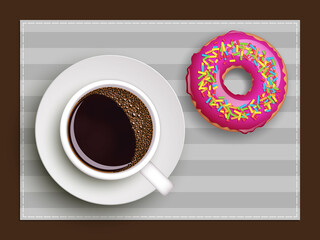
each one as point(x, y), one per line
point(147, 55)
point(253, 152)
point(195, 184)
point(36, 87)
point(225, 152)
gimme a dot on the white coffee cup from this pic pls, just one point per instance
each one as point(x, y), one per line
point(144, 166)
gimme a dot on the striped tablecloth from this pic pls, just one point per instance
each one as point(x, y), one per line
point(221, 175)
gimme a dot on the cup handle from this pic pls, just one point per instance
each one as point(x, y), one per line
point(157, 179)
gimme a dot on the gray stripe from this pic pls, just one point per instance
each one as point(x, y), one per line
point(31, 104)
point(236, 168)
point(204, 152)
point(172, 200)
point(147, 55)
point(140, 39)
point(29, 152)
point(33, 168)
point(43, 183)
point(192, 184)
point(160, 213)
point(169, 71)
point(29, 136)
point(234, 184)
point(160, 26)
point(206, 168)
point(29, 120)
point(217, 136)
point(259, 136)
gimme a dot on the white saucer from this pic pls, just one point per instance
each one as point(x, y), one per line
point(55, 99)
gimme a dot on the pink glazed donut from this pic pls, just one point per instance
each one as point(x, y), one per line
point(212, 99)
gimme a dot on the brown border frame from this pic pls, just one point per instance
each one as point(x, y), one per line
point(30, 10)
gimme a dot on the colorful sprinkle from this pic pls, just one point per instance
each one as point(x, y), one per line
point(252, 46)
point(231, 52)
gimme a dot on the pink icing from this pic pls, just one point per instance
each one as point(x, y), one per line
point(202, 97)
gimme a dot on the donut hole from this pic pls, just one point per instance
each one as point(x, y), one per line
point(238, 81)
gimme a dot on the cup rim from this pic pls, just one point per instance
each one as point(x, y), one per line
point(81, 165)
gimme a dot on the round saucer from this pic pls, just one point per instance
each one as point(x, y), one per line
point(69, 82)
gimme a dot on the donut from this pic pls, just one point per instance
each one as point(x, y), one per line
point(212, 99)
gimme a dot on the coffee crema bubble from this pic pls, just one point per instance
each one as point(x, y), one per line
point(110, 129)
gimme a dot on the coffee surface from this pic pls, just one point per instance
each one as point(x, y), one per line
point(110, 129)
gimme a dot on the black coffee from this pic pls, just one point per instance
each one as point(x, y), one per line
point(110, 129)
